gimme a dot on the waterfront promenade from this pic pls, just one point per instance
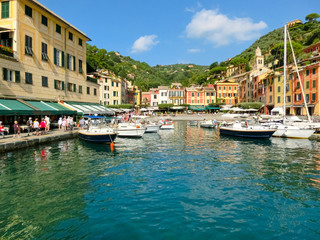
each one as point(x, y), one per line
point(10, 143)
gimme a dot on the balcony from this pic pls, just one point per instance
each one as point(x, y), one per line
point(6, 51)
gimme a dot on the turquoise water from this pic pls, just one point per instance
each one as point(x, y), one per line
point(183, 184)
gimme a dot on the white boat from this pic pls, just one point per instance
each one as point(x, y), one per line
point(130, 130)
point(207, 124)
point(167, 125)
point(288, 131)
point(193, 123)
point(152, 127)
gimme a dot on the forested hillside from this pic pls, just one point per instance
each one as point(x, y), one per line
point(145, 76)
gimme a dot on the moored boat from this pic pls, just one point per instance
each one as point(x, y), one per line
point(207, 124)
point(238, 130)
point(130, 130)
point(167, 125)
point(102, 135)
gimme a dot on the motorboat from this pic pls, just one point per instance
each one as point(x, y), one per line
point(99, 135)
point(255, 131)
point(167, 125)
point(130, 130)
point(207, 124)
point(97, 131)
point(152, 127)
point(193, 123)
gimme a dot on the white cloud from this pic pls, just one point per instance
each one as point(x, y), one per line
point(144, 43)
point(221, 30)
point(194, 50)
point(193, 9)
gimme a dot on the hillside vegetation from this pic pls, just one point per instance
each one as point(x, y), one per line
point(145, 76)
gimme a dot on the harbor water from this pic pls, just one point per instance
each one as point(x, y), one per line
point(187, 183)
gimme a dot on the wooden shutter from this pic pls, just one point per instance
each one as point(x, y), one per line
point(17, 73)
point(62, 85)
point(68, 61)
point(55, 56)
point(62, 59)
point(74, 63)
point(5, 74)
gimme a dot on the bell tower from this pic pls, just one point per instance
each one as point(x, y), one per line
point(259, 59)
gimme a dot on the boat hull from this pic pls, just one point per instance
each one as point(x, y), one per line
point(294, 133)
point(167, 127)
point(97, 137)
point(134, 133)
point(247, 133)
point(152, 128)
point(205, 125)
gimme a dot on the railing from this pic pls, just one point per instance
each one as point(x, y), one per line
point(7, 53)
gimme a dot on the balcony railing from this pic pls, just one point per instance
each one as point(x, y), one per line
point(6, 51)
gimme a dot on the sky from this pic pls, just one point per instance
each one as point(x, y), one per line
point(164, 32)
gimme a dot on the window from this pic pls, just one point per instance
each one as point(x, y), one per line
point(59, 85)
point(279, 89)
point(313, 97)
point(17, 76)
point(270, 99)
point(278, 79)
point(28, 78)
point(88, 90)
point(307, 98)
point(207, 94)
point(5, 9)
point(44, 20)
point(314, 83)
point(288, 99)
point(44, 52)
point(58, 28)
point(95, 91)
point(28, 45)
point(279, 99)
point(192, 94)
point(80, 89)
point(44, 81)
point(307, 72)
point(70, 36)
point(298, 97)
point(28, 11)
point(7, 75)
point(117, 84)
point(154, 96)
point(58, 57)
point(314, 71)
point(81, 70)
point(112, 84)
point(219, 88)
point(224, 88)
point(71, 62)
point(80, 41)
point(70, 85)
point(270, 89)
point(298, 85)
point(230, 88)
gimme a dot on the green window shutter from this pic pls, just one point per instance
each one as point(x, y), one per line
point(5, 74)
point(55, 56)
point(5, 9)
point(74, 63)
point(74, 87)
point(62, 59)
point(17, 76)
point(68, 57)
point(62, 85)
point(55, 84)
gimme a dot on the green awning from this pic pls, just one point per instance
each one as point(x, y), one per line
point(89, 108)
point(197, 108)
point(14, 107)
point(49, 108)
point(212, 108)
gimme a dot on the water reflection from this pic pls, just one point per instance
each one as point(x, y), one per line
point(189, 183)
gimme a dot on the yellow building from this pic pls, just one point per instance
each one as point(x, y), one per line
point(49, 55)
point(115, 90)
point(227, 92)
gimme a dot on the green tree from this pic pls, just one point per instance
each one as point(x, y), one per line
point(312, 17)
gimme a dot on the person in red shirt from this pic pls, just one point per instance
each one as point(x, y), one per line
point(43, 126)
point(1, 129)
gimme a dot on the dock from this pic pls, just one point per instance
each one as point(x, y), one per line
point(10, 143)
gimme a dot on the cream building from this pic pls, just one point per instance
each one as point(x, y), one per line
point(49, 55)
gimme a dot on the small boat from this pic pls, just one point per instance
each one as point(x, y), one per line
point(152, 127)
point(288, 131)
point(167, 125)
point(238, 130)
point(207, 124)
point(97, 130)
point(102, 135)
point(193, 123)
point(130, 130)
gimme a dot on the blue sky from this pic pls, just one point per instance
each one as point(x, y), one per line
point(179, 31)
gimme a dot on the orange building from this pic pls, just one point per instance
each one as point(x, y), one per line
point(227, 91)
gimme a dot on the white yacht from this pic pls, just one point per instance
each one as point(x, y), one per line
point(130, 130)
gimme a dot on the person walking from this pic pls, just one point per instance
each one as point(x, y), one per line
point(81, 122)
point(47, 120)
point(60, 123)
point(36, 126)
point(71, 123)
point(43, 126)
point(1, 129)
point(29, 125)
point(16, 129)
point(64, 124)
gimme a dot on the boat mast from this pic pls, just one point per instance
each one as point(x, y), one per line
point(284, 73)
point(298, 75)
